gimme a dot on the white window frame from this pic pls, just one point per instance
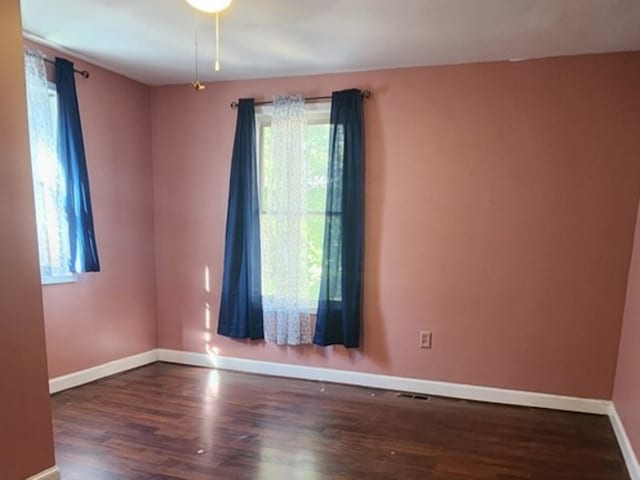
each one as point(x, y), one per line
point(59, 279)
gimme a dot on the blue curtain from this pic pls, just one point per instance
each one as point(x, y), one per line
point(82, 237)
point(340, 303)
point(241, 302)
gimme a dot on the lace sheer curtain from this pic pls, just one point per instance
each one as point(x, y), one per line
point(287, 313)
point(48, 177)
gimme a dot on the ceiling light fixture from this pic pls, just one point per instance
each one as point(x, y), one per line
point(212, 7)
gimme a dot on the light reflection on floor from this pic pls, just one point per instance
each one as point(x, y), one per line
point(210, 350)
point(274, 463)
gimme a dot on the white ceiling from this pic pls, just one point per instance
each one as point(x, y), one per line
point(152, 40)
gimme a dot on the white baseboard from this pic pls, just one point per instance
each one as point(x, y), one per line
point(49, 474)
point(628, 453)
point(372, 380)
point(386, 382)
point(92, 374)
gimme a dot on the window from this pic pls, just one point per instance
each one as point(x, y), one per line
point(49, 188)
point(311, 212)
point(285, 279)
point(64, 217)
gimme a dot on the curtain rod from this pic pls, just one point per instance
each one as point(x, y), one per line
point(83, 73)
point(365, 94)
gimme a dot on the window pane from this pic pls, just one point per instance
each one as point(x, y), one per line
point(314, 235)
point(316, 148)
point(49, 182)
point(310, 215)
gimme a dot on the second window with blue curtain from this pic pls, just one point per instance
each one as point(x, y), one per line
point(66, 238)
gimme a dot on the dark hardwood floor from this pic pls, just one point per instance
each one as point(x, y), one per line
point(174, 422)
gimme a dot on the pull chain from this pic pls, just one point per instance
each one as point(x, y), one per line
point(217, 64)
point(196, 84)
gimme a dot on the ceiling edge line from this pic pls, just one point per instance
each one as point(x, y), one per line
point(92, 61)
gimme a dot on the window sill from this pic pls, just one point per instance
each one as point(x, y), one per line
point(60, 279)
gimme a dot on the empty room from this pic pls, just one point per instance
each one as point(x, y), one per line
point(293, 239)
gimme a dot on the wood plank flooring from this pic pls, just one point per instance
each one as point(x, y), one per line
point(168, 422)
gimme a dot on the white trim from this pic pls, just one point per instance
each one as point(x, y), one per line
point(49, 474)
point(429, 387)
point(371, 380)
point(100, 371)
point(629, 455)
point(59, 279)
point(317, 110)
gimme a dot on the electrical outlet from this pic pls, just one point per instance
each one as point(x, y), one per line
point(425, 339)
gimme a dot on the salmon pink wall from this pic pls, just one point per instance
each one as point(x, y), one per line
point(26, 440)
point(626, 395)
point(501, 199)
point(111, 314)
